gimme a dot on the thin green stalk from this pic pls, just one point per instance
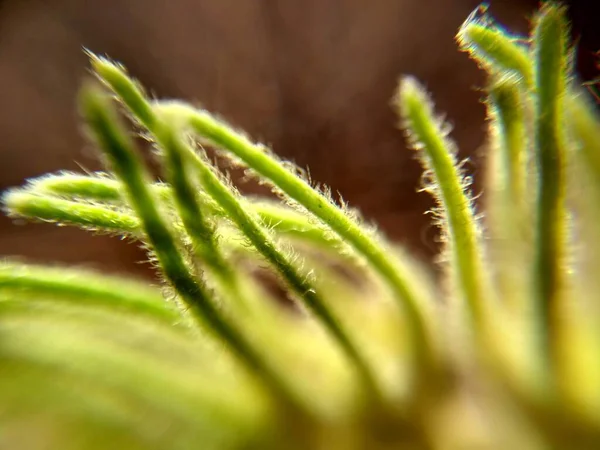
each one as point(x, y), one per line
point(508, 204)
point(130, 170)
point(63, 284)
point(127, 90)
point(495, 49)
point(238, 213)
point(550, 49)
point(270, 168)
point(21, 203)
point(199, 227)
point(288, 221)
point(251, 227)
point(98, 189)
point(507, 54)
point(416, 110)
point(507, 111)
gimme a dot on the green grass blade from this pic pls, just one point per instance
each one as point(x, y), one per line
point(267, 246)
point(459, 223)
point(129, 168)
point(84, 287)
point(550, 49)
point(99, 189)
point(21, 203)
point(236, 211)
point(127, 90)
point(494, 49)
point(198, 225)
point(507, 109)
point(509, 208)
point(268, 167)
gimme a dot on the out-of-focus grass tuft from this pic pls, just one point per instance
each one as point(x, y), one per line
point(373, 354)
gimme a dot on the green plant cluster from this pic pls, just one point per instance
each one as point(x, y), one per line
point(503, 353)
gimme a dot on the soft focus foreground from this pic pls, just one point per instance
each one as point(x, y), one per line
point(373, 354)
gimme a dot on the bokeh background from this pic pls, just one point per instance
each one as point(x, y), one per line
point(312, 78)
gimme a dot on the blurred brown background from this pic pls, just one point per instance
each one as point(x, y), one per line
point(313, 78)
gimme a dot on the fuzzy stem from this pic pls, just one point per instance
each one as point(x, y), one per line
point(495, 49)
point(269, 248)
point(103, 189)
point(507, 109)
point(407, 293)
point(250, 225)
point(96, 188)
point(509, 208)
point(21, 203)
point(127, 90)
point(507, 54)
point(271, 169)
point(550, 41)
point(415, 108)
point(198, 226)
point(129, 168)
point(84, 287)
point(288, 221)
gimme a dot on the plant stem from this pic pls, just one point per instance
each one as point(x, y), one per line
point(405, 290)
point(507, 108)
point(509, 207)
point(251, 227)
point(248, 224)
point(415, 107)
point(198, 226)
point(52, 209)
point(129, 168)
point(495, 49)
point(550, 38)
point(101, 189)
point(84, 287)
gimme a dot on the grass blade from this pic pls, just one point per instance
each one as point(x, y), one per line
point(550, 49)
point(126, 164)
point(458, 223)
